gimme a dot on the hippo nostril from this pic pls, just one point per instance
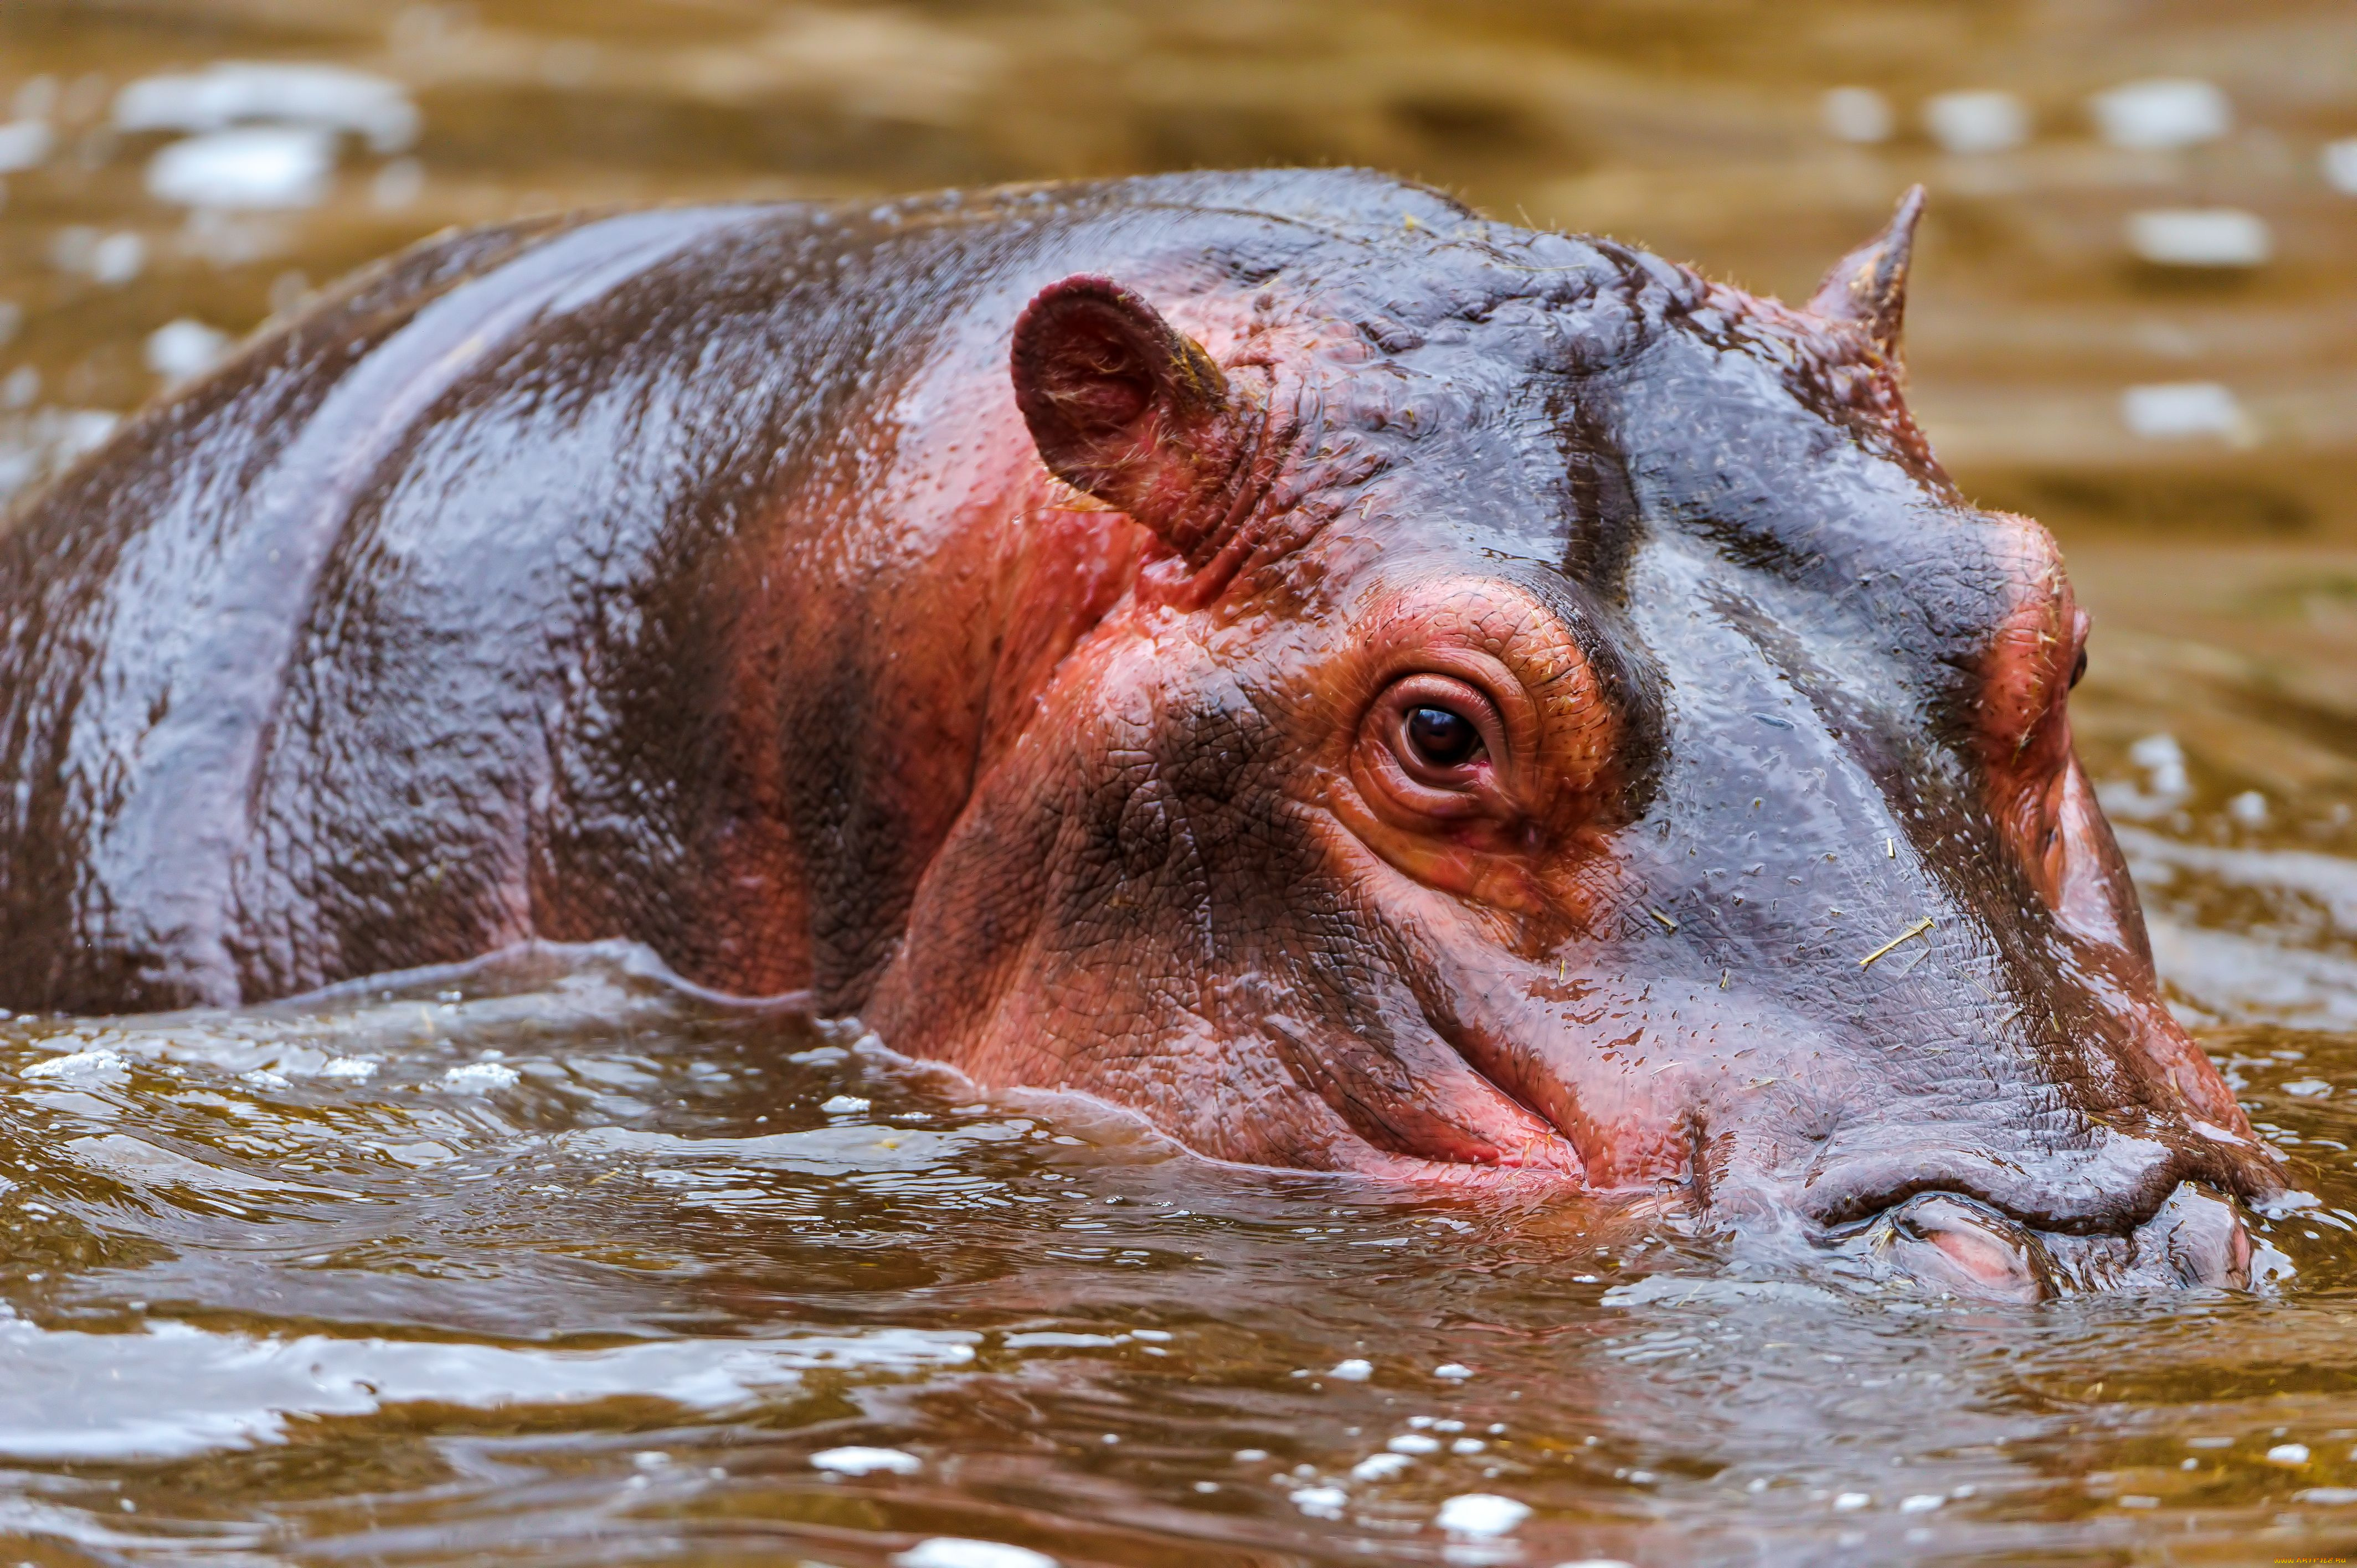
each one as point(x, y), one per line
point(2199, 1237)
point(1966, 1247)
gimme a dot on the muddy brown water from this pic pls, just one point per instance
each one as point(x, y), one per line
point(550, 1260)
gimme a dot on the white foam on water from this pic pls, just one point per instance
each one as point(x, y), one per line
point(2162, 112)
point(2248, 980)
point(1481, 1514)
point(2337, 161)
point(1057, 1339)
point(2178, 410)
point(1857, 114)
point(252, 166)
point(235, 92)
point(174, 1391)
point(2326, 880)
point(184, 348)
point(23, 143)
point(1319, 1502)
point(1981, 121)
point(478, 1076)
point(2200, 237)
point(858, 1461)
point(958, 1551)
point(100, 1063)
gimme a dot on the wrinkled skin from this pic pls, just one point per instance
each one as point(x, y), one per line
point(1366, 688)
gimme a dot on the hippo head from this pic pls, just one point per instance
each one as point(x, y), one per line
point(1568, 729)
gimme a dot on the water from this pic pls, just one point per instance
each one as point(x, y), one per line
point(552, 1260)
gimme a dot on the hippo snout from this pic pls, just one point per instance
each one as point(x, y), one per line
point(1953, 1244)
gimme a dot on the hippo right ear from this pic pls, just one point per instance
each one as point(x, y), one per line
point(1123, 406)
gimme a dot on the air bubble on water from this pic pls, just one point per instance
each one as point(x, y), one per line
point(2163, 113)
point(1250, 1455)
point(2249, 809)
point(252, 166)
point(1850, 1502)
point(184, 348)
point(1380, 1468)
point(2163, 762)
point(1921, 1502)
point(23, 143)
point(1455, 1372)
point(1467, 1445)
point(2200, 237)
point(1856, 115)
point(2289, 1455)
point(2177, 411)
point(1480, 1514)
point(858, 1461)
point(2306, 1088)
point(1159, 1337)
point(1414, 1443)
point(117, 258)
point(958, 1551)
point(1354, 1370)
point(359, 1070)
point(478, 1077)
point(1986, 120)
point(1320, 1502)
point(1418, 1422)
point(843, 1105)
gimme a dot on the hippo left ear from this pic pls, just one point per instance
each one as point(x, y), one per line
point(1868, 286)
point(1123, 406)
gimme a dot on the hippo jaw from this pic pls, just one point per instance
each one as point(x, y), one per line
point(1628, 768)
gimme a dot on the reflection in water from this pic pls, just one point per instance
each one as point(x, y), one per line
point(554, 1262)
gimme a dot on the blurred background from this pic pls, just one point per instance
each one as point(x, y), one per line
point(2134, 312)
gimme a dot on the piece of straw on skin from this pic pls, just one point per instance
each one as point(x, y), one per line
point(1917, 930)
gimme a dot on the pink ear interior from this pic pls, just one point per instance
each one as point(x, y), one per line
point(1121, 404)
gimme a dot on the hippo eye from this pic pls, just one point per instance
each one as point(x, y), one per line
point(1442, 738)
point(2079, 670)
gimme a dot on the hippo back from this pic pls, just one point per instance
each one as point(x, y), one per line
point(501, 594)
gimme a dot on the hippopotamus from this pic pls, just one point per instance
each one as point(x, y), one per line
point(1366, 688)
